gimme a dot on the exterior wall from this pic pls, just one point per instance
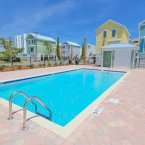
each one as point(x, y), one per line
point(121, 34)
point(66, 50)
point(125, 36)
point(142, 29)
point(122, 58)
point(91, 50)
point(38, 46)
point(142, 45)
point(142, 37)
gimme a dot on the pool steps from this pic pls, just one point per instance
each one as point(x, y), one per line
point(28, 99)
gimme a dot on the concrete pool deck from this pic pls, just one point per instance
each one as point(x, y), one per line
point(120, 123)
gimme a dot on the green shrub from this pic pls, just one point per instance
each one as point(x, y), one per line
point(16, 59)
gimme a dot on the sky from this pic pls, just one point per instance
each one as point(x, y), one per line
point(71, 20)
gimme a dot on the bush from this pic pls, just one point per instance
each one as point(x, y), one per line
point(16, 59)
point(4, 59)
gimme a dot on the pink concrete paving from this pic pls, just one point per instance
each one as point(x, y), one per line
point(118, 124)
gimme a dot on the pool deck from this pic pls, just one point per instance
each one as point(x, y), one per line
point(120, 123)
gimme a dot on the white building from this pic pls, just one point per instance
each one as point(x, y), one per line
point(20, 42)
point(119, 55)
point(91, 50)
point(70, 49)
point(1, 48)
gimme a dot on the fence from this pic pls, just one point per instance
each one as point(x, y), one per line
point(141, 63)
point(9, 64)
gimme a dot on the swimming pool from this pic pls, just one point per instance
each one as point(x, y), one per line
point(67, 94)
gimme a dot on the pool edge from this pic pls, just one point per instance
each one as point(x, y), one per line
point(72, 125)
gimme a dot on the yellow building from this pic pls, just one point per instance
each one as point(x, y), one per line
point(111, 32)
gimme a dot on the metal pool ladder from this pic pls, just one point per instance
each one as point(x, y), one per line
point(10, 102)
point(25, 111)
point(28, 99)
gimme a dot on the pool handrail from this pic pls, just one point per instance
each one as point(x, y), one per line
point(10, 102)
point(25, 111)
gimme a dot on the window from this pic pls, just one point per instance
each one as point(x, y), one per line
point(29, 42)
point(34, 42)
point(31, 50)
point(113, 33)
point(104, 34)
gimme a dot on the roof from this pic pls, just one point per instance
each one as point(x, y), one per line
point(142, 22)
point(120, 46)
point(43, 37)
point(110, 20)
point(72, 43)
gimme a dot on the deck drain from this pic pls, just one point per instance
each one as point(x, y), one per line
point(113, 101)
point(98, 110)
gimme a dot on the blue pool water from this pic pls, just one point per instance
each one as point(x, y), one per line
point(66, 94)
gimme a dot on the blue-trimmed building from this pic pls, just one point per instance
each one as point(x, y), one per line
point(142, 37)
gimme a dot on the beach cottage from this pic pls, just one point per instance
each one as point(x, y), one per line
point(70, 49)
point(111, 32)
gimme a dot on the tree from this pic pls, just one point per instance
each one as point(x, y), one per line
point(84, 45)
point(10, 51)
point(82, 50)
point(58, 49)
point(48, 46)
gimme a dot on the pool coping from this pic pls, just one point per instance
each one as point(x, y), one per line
point(73, 124)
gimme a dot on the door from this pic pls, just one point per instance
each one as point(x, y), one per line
point(107, 57)
point(122, 58)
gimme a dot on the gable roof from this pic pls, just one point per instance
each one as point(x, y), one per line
point(71, 43)
point(38, 36)
point(110, 20)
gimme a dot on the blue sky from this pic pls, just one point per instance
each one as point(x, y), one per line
point(69, 19)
